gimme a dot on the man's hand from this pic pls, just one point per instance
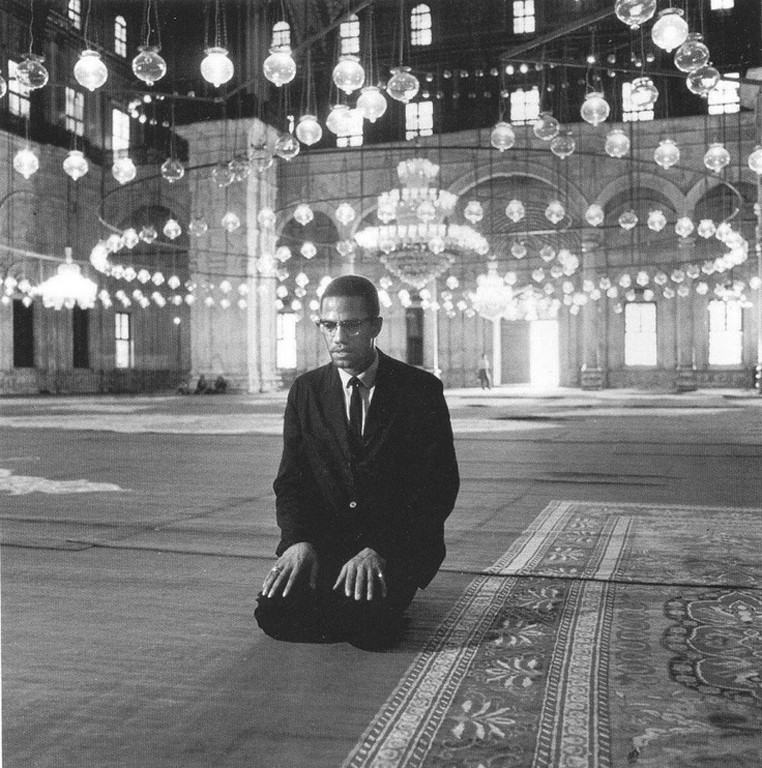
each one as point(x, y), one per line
point(363, 576)
point(297, 562)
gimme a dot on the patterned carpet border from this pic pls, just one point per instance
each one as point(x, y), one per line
point(574, 728)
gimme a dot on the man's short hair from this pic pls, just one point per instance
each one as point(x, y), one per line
point(354, 285)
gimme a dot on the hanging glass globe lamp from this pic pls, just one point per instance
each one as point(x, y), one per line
point(518, 250)
point(230, 222)
point(402, 85)
point(287, 147)
point(198, 226)
point(148, 65)
point(755, 160)
point(223, 175)
point(692, 54)
point(345, 214)
point(308, 250)
point(667, 154)
point(503, 136)
point(473, 212)
point(670, 30)
point(75, 165)
point(348, 74)
point(706, 228)
point(308, 130)
point(31, 73)
point(595, 109)
point(217, 68)
point(703, 80)
point(515, 211)
point(90, 71)
point(279, 67)
point(266, 218)
point(148, 234)
point(617, 143)
point(302, 214)
point(555, 211)
point(172, 229)
point(716, 157)
point(656, 220)
point(546, 127)
point(644, 93)
point(371, 103)
point(628, 220)
point(563, 145)
point(594, 215)
point(26, 162)
point(172, 170)
point(339, 120)
point(123, 169)
point(633, 13)
point(684, 226)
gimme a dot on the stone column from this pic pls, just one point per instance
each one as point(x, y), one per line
point(685, 373)
point(262, 276)
point(592, 375)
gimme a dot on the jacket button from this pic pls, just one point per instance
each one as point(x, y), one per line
point(352, 504)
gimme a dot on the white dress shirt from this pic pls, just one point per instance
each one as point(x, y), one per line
point(368, 379)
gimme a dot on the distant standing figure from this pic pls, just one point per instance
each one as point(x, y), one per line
point(483, 372)
point(202, 387)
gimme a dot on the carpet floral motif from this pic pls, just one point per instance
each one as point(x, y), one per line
point(607, 636)
point(718, 636)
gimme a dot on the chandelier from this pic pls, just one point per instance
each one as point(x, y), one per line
point(68, 287)
point(416, 240)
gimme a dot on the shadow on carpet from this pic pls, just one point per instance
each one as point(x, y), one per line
point(609, 635)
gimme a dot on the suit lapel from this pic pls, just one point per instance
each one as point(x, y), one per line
point(382, 406)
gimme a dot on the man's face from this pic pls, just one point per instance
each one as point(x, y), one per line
point(353, 353)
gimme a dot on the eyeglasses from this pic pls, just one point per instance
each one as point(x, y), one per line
point(350, 327)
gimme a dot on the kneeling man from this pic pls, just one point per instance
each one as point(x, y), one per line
point(367, 477)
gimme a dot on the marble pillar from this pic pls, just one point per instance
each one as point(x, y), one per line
point(592, 374)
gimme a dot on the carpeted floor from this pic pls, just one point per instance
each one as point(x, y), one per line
point(608, 635)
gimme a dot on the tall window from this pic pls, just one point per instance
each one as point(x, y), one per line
point(281, 34)
point(120, 130)
point(75, 111)
point(721, 5)
point(419, 119)
point(74, 13)
point(523, 17)
point(18, 96)
point(524, 106)
point(354, 138)
point(285, 347)
point(414, 327)
point(80, 324)
point(349, 33)
point(631, 112)
point(724, 97)
point(120, 36)
point(640, 333)
point(725, 333)
point(420, 25)
point(124, 347)
point(23, 335)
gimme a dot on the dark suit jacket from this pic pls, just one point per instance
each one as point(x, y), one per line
point(392, 493)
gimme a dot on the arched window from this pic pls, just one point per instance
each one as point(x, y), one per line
point(419, 119)
point(120, 36)
point(632, 112)
point(725, 333)
point(281, 35)
point(349, 33)
point(525, 105)
point(420, 25)
point(523, 17)
point(74, 13)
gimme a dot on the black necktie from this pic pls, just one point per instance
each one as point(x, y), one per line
point(355, 409)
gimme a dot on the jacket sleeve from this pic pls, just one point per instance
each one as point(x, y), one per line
point(430, 487)
point(292, 511)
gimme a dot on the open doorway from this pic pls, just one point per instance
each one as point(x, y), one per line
point(543, 354)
